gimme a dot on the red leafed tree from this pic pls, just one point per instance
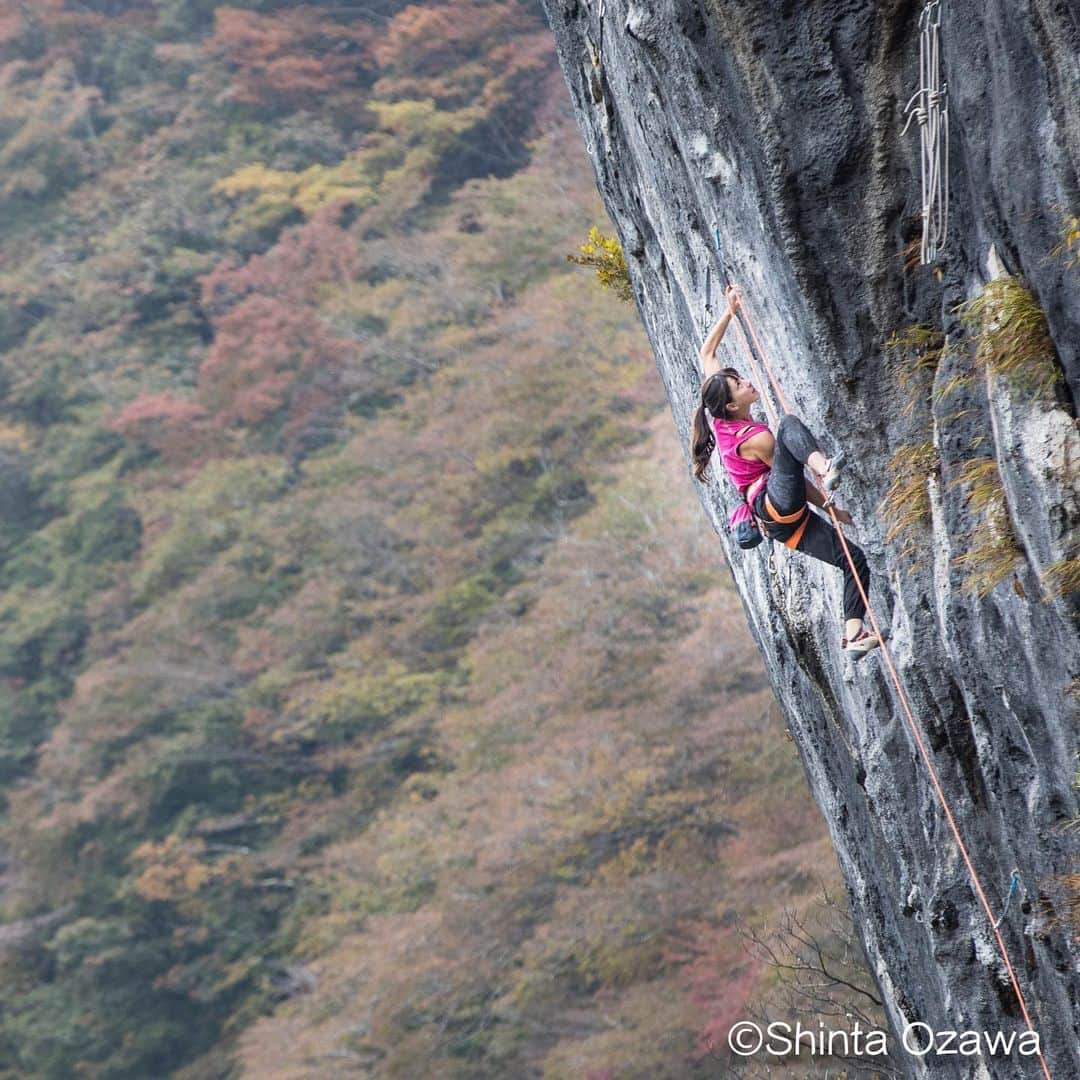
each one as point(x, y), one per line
point(43, 31)
point(12, 22)
point(18, 16)
point(303, 261)
point(721, 978)
point(273, 354)
point(169, 424)
point(290, 58)
point(266, 354)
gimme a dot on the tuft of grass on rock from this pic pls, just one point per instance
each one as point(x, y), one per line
point(1061, 578)
point(1011, 335)
point(1073, 691)
point(1072, 899)
point(915, 353)
point(911, 254)
point(995, 553)
point(1071, 882)
point(950, 386)
point(1069, 247)
point(906, 506)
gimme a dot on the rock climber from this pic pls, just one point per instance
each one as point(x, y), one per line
point(768, 472)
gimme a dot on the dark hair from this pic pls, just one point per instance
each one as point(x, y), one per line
point(715, 396)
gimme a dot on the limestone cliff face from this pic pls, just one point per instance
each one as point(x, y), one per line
point(778, 123)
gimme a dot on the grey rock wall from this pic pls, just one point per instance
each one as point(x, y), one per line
point(779, 125)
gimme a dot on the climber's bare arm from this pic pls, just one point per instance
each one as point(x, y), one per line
point(709, 364)
point(759, 447)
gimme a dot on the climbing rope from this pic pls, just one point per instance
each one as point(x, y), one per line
point(929, 106)
point(994, 923)
point(759, 378)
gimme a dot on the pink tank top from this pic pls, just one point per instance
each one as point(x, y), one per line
point(730, 435)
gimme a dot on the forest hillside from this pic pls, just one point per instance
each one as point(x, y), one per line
point(372, 701)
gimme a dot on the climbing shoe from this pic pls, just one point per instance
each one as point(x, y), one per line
point(831, 480)
point(861, 644)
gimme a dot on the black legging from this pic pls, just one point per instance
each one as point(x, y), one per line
point(786, 487)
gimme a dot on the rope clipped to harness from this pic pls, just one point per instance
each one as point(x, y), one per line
point(929, 106)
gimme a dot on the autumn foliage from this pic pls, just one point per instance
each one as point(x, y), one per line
point(369, 695)
point(165, 422)
point(435, 50)
point(292, 57)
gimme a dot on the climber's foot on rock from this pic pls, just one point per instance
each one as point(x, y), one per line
point(833, 472)
point(863, 642)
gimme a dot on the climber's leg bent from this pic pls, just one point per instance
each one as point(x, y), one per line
point(795, 448)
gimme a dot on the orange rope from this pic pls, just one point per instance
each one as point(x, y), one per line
point(907, 706)
point(759, 379)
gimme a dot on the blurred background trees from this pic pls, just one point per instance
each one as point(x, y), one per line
point(371, 696)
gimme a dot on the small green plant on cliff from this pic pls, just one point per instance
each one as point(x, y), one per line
point(995, 553)
point(906, 506)
point(605, 255)
point(915, 353)
point(1011, 335)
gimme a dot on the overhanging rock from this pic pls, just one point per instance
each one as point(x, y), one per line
point(776, 125)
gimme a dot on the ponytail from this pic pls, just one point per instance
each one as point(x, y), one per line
point(715, 395)
point(703, 443)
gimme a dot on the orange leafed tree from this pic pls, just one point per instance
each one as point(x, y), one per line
point(453, 51)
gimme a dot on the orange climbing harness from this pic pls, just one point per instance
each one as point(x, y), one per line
point(802, 515)
point(749, 328)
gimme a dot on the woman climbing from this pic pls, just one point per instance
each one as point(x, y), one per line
point(768, 473)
